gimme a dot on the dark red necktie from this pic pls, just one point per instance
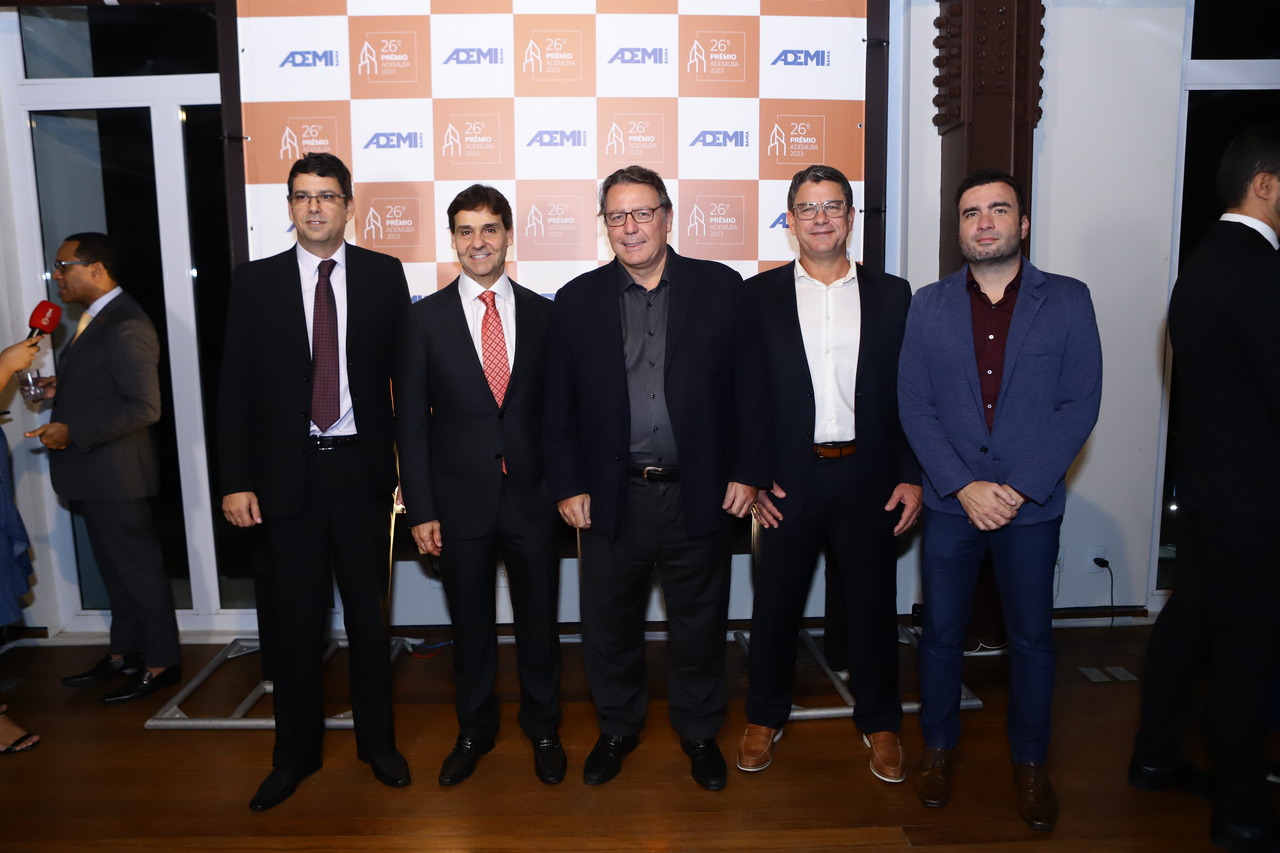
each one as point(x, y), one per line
point(324, 351)
point(494, 344)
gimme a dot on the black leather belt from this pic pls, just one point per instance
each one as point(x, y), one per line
point(835, 449)
point(329, 442)
point(654, 474)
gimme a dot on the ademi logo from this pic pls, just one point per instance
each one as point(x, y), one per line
point(395, 140)
point(558, 139)
point(802, 57)
point(780, 221)
point(722, 139)
point(474, 56)
point(310, 59)
point(639, 56)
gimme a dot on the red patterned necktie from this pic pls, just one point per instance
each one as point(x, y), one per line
point(494, 346)
point(324, 351)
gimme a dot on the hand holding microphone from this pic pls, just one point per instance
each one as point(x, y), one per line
point(19, 356)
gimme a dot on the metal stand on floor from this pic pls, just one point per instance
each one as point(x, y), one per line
point(171, 716)
point(968, 701)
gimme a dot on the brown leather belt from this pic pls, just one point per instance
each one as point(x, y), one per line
point(835, 449)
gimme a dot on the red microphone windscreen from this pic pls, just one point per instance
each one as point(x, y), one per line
point(45, 318)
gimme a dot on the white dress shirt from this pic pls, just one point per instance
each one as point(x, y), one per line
point(309, 273)
point(831, 325)
point(505, 302)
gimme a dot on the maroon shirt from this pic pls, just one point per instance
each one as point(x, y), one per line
point(990, 336)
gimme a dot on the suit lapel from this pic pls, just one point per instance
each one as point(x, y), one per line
point(677, 304)
point(524, 336)
point(1030, 298)
point(459, 341)
point(357, 296)
point(780, 303)
point(959, 307)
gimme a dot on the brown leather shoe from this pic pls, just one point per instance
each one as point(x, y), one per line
point(888, 760)
point(1037, 803)
point(933, 777)
point(755, 750)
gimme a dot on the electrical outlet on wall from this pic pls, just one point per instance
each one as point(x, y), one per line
point(1095, 552)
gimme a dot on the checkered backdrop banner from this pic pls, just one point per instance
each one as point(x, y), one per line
point(726, 99)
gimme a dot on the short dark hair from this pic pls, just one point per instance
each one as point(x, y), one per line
point(95, 246)
point(322, 164)
point(479, 196)
point(816, 174)
point(982, 177)
point(1252, 152)
point(636, 175)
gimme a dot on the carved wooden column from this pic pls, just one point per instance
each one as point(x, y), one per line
point(989, 73)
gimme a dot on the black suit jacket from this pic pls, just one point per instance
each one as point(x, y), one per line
point(451, 433)
point(884, 459)
point(718, 407)
point(109, 396)
point(264, 405)
point(1222, 321)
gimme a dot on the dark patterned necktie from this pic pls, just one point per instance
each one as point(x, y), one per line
point(324, 352)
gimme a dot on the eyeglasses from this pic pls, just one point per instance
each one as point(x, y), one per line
point(809, 209)
point(301, 199)
point(59, 266)
point(615, 218)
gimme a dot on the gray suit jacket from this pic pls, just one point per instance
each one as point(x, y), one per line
point(109, 396)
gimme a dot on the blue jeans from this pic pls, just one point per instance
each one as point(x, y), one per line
point(1023, 557)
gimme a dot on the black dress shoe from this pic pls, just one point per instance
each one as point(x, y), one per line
point(130, 664)
point(549, 762)
point(1245, 837)
point(1182, 775)
point(144, 684)
point(392, 771)
point(708, 766)
point(461, 762)
point(605, 759)
point(277, 787)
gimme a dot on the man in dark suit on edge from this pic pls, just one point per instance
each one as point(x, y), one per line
point(656, 432)
point(103, 461)
point(844, 480)
point(1222, 321)
point(306, 436)
point(469, 430)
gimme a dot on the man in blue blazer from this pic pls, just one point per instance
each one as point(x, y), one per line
point(306, 440)
point(845, 482)
point(469, 431)
point(657, 430)
point(999, 384)
point(1222, 323)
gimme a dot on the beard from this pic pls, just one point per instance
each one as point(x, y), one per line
point(1008, 248)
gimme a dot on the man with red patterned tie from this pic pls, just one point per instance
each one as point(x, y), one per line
point(310, 457)
point(469, 432)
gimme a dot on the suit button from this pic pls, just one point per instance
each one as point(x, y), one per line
point(809, 436)
point(501, 415)
point(982, 450)
point(497, 456)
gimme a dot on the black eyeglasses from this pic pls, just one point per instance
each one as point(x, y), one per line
point(640, 214)
point(809, 209)
point(300, 199)
point(59, 266)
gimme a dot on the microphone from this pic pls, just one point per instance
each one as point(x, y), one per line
point(44, 319)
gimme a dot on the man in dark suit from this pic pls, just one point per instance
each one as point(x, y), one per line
point(844, 480)
point(999, 385)
point(656, 432)
point(306, 438)
point(1222, 321)
point(105, 399)
point(469, 426)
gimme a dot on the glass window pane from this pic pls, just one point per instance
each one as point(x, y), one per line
point(1236, 29)
point(118, 41)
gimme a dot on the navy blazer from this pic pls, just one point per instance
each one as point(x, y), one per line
point(719, 409)
point(451, 434)
point(264, 399)
point(885, 460)
point(109, 396)
point(1048, 400)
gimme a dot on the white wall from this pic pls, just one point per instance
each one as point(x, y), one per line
point(1103, 211)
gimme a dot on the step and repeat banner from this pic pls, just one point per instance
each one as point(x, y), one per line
point(726, 99)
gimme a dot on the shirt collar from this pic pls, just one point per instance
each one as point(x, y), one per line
point(468, 289)
point(98, 304)
point(311, 262)
point(802, 278)
point(1257, 225)
point(1009, 289)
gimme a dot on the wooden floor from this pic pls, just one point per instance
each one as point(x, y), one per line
point(100, 781)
